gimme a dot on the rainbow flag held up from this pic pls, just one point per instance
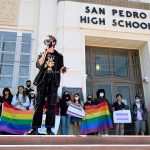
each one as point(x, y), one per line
point(15, 121)
point(97, 118)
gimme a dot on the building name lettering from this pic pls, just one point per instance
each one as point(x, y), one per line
point(118, 18)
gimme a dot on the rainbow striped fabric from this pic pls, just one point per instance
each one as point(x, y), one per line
point(15, 121)
point(97, 118)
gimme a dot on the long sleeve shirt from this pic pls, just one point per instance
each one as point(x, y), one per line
point(16, 102)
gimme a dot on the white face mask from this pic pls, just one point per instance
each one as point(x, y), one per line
point(101, 94)
point(137, 100)
point(76, 98)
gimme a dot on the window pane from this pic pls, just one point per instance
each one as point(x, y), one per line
point(25, 59)
point(9, 46)
point(26, 37)
point(25, 47)
point(22, 81)
point(5, 82)
point(1, 35)
point(125, 92)
point(7, 58)
point(6, 70)
point(102, 66)
point(120, 64)
point(23, 71)
point(10, 36)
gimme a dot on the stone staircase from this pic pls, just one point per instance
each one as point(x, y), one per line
point(71, 142)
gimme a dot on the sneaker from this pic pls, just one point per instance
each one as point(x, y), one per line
point(32, 132)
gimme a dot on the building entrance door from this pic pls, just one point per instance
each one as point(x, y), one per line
point(115, 71)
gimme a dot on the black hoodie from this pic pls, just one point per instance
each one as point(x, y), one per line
point(99, 99)
point(63, 104)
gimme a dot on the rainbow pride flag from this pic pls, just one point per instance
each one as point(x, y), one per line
point(15, 121)
point(97, 118)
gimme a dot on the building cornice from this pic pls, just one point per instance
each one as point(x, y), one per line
point(120, 3)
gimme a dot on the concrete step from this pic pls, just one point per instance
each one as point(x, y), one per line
point(75, 147)
point(55, 140)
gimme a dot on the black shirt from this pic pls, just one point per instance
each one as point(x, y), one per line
point(28, 91)
point(8, 100)
point(88, 103)
point(53, 57)
point(118, 106)
point(58, 64)
point(63, 107)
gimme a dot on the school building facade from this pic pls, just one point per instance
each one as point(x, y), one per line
point(105, 43)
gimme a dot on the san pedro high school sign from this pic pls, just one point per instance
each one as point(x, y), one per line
point(116, 17)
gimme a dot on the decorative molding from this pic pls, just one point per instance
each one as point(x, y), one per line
point(9, 11)
point(120, 3)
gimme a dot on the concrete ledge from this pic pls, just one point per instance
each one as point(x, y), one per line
point(73, 140)
point(77, 147)
point(120, 3)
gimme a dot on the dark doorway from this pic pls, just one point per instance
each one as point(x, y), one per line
point(116, 71)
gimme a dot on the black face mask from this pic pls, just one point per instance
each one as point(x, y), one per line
point(89, 99)
point(67, 96)
point(48, 43)
point(28, 85)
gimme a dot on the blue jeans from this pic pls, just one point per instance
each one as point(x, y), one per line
point(65, 125)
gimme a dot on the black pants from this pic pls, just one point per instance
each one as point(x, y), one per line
point(46, 88)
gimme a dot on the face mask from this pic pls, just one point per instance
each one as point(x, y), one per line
point(101, 94)
point(89, 99)
point(137, 100)
point(76, 98)
point(32, 95)
point(28, 85)
point(67, 96)
point(48, 43)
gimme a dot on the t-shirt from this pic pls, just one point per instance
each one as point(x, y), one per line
point(53, 71)
point(53, 58)
point(50, 57)
point(118, 106)
point(139, 113)
point(88, 103)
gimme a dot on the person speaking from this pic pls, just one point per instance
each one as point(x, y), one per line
point(50, 64)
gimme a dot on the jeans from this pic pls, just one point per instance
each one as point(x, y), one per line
point(65, 125)
point(119, 128)
point(49, 89)
point(140, 126)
